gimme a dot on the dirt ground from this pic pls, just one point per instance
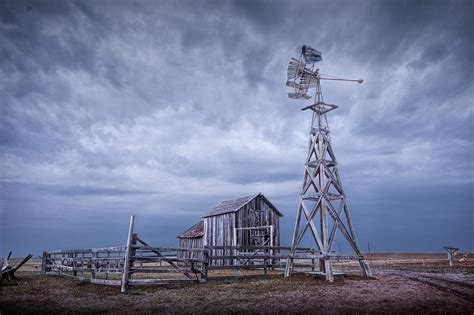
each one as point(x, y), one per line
point(402, 283)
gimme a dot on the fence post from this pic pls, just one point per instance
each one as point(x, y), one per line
point(82, 264)
point(44, 262)
point(94, 257)
point(265, 261)
point(133, 251)
point(107, 265)
point(126, 263)
point(205, 264)
point(74, 264)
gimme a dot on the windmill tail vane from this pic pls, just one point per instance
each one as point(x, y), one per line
point(322, 211)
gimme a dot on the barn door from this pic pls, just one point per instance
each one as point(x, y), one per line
point(260, 236)
point(254, 236)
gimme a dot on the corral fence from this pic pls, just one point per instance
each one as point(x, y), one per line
point(138, 263)
point(108, 265)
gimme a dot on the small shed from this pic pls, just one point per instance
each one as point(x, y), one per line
point(192, 238)
point(249, 220)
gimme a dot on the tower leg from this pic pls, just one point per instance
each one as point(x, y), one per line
point(328, 270)
point(294, 242)
point(288, 267)
point(366, 272)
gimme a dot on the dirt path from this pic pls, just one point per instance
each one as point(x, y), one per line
point(449, 283)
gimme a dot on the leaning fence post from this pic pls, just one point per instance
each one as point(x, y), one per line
point(126, 263)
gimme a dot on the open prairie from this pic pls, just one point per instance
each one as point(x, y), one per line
point(402, 283)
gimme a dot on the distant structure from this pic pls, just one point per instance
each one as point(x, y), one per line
point(245, 221)
point(464, 257)
point(322, 208)
point(452, 251)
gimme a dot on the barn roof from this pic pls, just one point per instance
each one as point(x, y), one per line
point(195, 231)
point(233, 205)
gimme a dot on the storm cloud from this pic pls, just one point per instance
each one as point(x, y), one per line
point(164, 108)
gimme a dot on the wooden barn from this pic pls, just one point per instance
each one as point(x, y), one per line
point(249, 220)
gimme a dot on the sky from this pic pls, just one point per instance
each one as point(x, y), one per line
point(164, 108)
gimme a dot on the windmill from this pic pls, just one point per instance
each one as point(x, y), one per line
point(322, 208)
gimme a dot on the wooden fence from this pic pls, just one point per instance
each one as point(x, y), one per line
point(138, 263)
point(159, 265)
point(109, 265)
point(268, 257)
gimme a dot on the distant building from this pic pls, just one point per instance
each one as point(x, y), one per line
point(249, 220)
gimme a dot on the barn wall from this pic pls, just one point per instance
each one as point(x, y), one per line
point(246, 217)
point(218, 230)
point(195, 242)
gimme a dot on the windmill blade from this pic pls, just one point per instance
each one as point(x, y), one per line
point(292, 69)
point(299, 95)
point(295, 85)
point(295, 69)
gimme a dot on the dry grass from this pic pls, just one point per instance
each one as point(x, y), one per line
point(402, 285)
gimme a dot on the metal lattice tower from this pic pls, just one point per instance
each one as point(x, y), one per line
point(322, 209)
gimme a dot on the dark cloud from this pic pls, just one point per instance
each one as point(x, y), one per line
point(435, 53)
point(168, 107)
point(92, 191)
point(263, 16)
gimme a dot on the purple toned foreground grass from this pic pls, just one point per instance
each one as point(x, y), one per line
point(414, 289)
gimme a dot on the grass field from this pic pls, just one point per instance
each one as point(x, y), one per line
point(402, 283)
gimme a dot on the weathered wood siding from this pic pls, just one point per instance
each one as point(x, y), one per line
point(219, 229)
point(195, 242)
point(257, 213)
